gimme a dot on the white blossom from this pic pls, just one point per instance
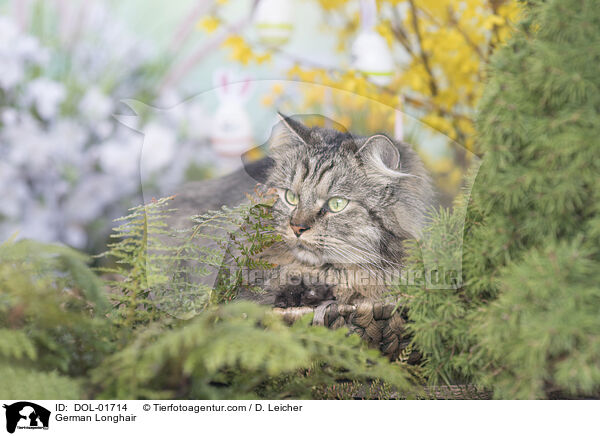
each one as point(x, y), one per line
point(75, 235)
point(89, 198)
point(14, 198)
point(12, 72)
point(64, 166)
point(9, 116)
point(198, 121)
point(40, 223)
point(119, 159)
point(17, 51)
point(46, 95)
point(158, 149)
point(95, 105)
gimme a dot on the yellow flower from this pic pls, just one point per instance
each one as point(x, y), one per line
point(442, 70)
point(242, 52)
point(443, 165)
point(267, 100)
point(209, 23)
point(262, 58)
point(493, 20)
point(332, 4)
point(385, 30)
point(440, 124)
point(277, 89)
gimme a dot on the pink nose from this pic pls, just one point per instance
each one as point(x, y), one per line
point(298, 229)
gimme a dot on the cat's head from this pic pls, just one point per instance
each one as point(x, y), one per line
point(345, 199)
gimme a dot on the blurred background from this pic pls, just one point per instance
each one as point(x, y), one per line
point(104, 104)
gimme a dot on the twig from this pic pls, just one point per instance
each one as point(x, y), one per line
point(465, 35)
point(424, 57)
point(400, 34)
point(177, 73)
point(187, 25)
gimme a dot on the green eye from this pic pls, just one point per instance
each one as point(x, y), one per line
point(337, 204)
point(291, 198)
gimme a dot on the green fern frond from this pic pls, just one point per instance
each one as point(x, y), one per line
point(159, 269)
point(234, 351)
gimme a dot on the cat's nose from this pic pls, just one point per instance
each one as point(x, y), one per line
point(298, 229)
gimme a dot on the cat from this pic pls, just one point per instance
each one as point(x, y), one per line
point(345, 207)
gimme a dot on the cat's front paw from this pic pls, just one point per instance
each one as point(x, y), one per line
point(316, 294)
point(289, 296)
point(303, 295)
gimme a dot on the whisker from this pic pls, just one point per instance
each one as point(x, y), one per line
point(356, 260)
point(372, 254)
point(377, 255)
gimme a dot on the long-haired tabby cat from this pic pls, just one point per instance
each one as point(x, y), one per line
point(345, 206)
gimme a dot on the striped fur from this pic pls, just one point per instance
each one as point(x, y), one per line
point(389, 192)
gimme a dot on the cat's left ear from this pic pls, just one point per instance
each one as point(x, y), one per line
point(288, 131)
point(381, 152)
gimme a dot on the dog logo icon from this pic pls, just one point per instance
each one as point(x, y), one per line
point(26, 415)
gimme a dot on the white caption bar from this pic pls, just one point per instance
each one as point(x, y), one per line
point(152, 417)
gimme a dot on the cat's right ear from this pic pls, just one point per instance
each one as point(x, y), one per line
point(288, 131)
point(381, 153)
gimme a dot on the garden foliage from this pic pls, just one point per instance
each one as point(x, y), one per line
point(78, 336)
point(525, 322)
point(53, 328)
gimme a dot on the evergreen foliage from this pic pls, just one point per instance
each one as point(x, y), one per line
point(525, 322)
point(20, 383)
point(437, 313)
point(52, 323)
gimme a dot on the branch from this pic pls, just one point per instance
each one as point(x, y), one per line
point(424, 57)
point(187, 25)
point(400, 34)
point(177, 73)
point(413, 101)
point(465, 35)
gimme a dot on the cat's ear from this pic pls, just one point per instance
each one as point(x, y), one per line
point(381, 152)
point(287, 129)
